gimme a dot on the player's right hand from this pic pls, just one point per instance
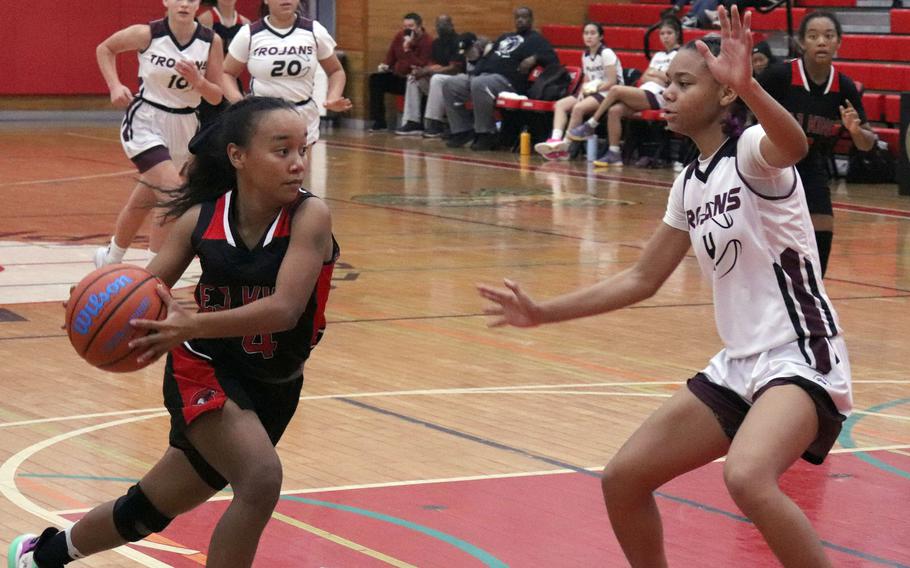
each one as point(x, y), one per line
point(121, 96)
point(510, 307)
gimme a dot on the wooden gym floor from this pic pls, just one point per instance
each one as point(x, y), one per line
point(424, 438)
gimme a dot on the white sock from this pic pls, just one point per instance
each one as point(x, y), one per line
point(115, 253)
point(614, 149)
point(556, 134)
point(70, 547)
point(592, 122)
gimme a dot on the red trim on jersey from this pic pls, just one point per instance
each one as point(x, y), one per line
point(196, 382)
point(835, 84)
point(216, 17)
point(323, 287)
point(796, 76)
point(215, 230)
point(283, 229)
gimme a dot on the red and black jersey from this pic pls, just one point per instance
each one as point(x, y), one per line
point(817, 109)
point(234, 275)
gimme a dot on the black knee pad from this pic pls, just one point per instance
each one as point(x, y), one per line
point(135, 517)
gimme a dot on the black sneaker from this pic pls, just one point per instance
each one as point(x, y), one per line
point(410, 128)
point(459, 139)
point(379, 125)
point(486, 141)
point(434, 129)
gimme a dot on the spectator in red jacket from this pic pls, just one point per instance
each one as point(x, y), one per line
point(409, 50)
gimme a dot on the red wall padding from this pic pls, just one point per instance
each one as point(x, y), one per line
point(49, 46)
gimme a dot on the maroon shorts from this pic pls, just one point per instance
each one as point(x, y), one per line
point(599, 96)
point(730, 410)
point(194, 385)
point(652, 100)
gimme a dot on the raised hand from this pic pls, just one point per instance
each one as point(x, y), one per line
point(166, 334)
point(733, 66)
point(510, 307)
point(850, 118)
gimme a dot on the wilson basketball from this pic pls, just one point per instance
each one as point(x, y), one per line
point(100, 309)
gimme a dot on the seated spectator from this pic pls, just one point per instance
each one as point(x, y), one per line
point(601, 70)
point(504, 68)
point(623, 101)
point(470, 48)
point(702, 15)
point(444, 60)
point(761, 57)
point(409, 50)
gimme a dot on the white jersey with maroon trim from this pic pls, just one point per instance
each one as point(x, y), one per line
point(160, 83)
point(282, 62)
point(595, 66)
point(753, 237)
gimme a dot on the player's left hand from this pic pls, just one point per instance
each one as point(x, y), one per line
point(850, 118)
point(189, 71)
point(733, 66)
point(166, 334)
point(341, 104)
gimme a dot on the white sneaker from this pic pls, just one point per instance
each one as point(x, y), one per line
point(101, 257)
point(551, 146)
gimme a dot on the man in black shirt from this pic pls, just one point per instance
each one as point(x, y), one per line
point(504, 68)
point(444, 59)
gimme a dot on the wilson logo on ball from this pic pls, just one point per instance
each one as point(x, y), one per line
point(82, 323)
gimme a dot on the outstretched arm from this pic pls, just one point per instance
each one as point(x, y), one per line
point(661, 256)
point(784, 143)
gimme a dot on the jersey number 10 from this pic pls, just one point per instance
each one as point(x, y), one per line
point(178, 82)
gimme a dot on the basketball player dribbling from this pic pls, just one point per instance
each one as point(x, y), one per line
point(234, 368)
point(281, 52)
point(780, 387)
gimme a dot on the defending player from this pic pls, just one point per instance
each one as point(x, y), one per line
point(179, 65)
point(281, 52)
point(780, 387)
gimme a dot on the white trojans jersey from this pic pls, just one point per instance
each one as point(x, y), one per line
point(160, 83)
point(754, 240)
point(594, 67)
point(282, 63)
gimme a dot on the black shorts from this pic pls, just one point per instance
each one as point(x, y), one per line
point(818, 197)
point(193, 386)
point(730, 410)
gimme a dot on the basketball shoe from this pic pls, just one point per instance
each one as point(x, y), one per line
point(21, 552)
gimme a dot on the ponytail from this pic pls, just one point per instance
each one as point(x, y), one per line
point(210, 173)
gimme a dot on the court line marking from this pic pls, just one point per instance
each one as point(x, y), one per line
point(9, 489)
point(66, 179)
point(341, 541)
point(577, 174)
point(456, 390)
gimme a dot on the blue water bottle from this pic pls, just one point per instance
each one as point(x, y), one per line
point(591, 148)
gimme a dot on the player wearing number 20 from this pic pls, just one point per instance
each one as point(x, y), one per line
point(281, 51)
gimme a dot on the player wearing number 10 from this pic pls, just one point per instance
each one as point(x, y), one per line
point(281, 52)
point(179, 65)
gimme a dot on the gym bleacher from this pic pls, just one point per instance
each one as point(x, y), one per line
point(879, 61)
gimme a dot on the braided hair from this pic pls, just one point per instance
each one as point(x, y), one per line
point(210, 173)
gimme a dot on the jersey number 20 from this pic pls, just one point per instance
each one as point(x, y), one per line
point(261, 344)
point(290, 68)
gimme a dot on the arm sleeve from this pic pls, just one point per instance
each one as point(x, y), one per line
point(240, 45)
point(676, 210)
point(764, 179)
point(325, 43)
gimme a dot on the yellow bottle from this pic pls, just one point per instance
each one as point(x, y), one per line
point(524, 145)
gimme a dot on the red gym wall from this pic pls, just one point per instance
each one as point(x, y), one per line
point(48, 46)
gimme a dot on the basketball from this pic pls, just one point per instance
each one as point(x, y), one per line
point(99, 312)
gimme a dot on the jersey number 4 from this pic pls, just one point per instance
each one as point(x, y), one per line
point(290, 68)
point(262, 344)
